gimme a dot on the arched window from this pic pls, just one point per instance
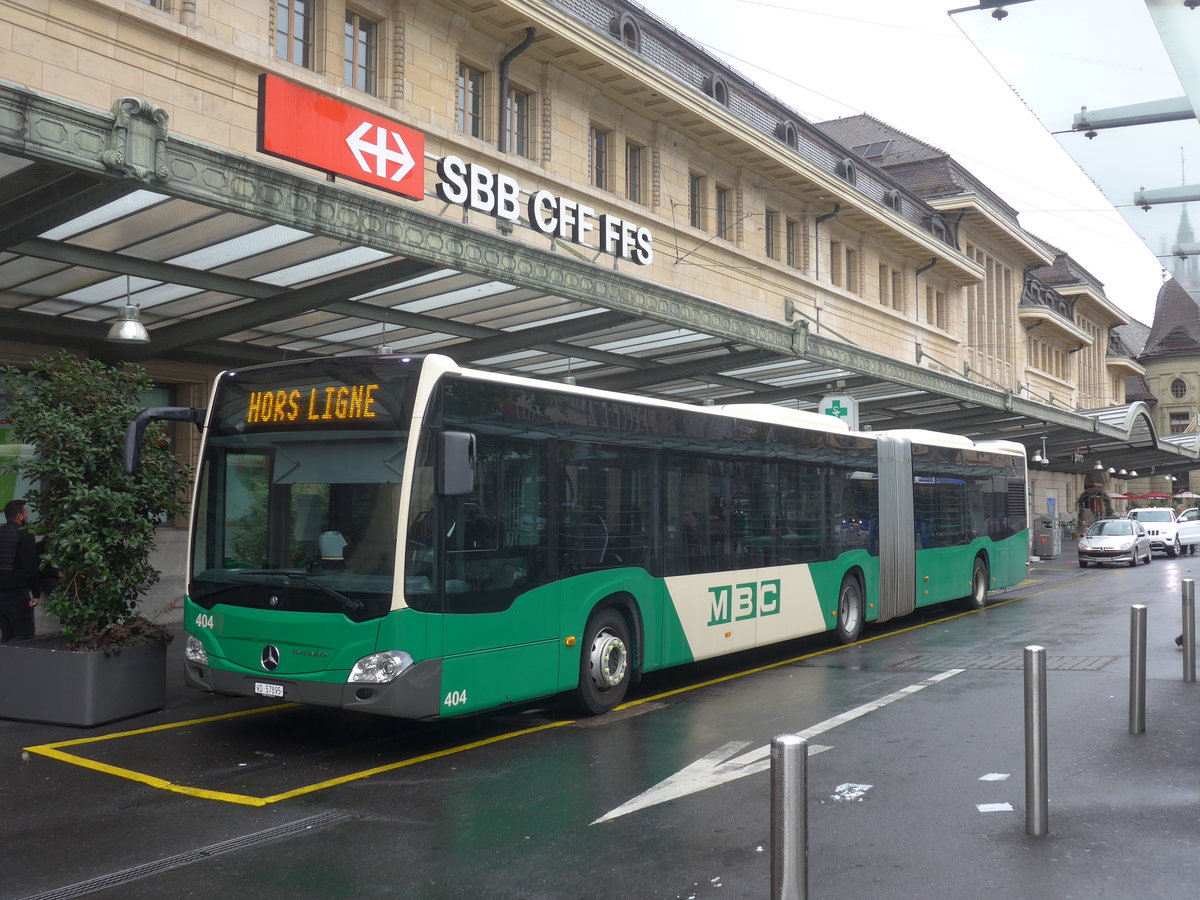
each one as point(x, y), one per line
point(716, 88)
point(938, 227)
point(1178, 389)
point(848, 171)
point(626, 30)
point(894, 200)
point(786, 132)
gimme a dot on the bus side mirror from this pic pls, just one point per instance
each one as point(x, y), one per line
point(136, 429)
point(456, 474)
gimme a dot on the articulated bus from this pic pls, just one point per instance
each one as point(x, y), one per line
point(403, 536)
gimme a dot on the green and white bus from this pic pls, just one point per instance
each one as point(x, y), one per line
point(403, 536)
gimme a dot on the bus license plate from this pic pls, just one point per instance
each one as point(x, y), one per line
point(268, 690)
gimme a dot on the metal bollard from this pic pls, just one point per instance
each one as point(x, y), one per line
point(789, 818)
point(1189, 630)
point(1036, 773)
point(1137, 668)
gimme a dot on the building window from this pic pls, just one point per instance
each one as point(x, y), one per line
point(792, 239)
point(898, 291)
point(633, 173)
point(1178, 389)
point(696, 200)
point(769, 232)
point(848, 171)
point(1180, 422)
point(723, 197)
point(786, 132)
point(935, 310)
point(885, 284)
point(852, 270)
point(516, 125)
point(837, 274)
point(294, 31)
point(599, 150)
point(468, 114)
point(361, 47)
point(629, 32)
point(717, 89)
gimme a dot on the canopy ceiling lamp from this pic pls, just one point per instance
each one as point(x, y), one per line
point(1043, 457)
point(129, 328)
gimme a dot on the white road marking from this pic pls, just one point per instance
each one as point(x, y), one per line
point(723, 765)
point(849, 791)
point(994, 776)
point(994, 807)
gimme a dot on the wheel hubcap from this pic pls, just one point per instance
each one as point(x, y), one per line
point(607, 660)
point(848, 610)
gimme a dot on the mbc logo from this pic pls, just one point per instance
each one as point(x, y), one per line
point(735, 602)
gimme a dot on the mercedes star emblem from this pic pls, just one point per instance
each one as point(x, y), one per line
point(270, 657)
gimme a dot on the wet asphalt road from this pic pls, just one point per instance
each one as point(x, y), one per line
point(670, 797)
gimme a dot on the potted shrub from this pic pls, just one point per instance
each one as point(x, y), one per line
point(97, 527)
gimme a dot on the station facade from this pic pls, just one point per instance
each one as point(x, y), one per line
point(537, 165)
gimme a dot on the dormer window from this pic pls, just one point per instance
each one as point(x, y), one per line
point(847, 171)
point(938, 227)
point(894, 200)
point(716, 88)
point(786, 132)
point(626, 30)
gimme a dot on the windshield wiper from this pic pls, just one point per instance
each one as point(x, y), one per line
point(349, 603)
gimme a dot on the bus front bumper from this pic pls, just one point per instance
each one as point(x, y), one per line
point(415, 694)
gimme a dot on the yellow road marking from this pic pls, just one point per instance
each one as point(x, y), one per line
point(55, 751)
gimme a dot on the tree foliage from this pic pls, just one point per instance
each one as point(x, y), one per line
point(99, 523)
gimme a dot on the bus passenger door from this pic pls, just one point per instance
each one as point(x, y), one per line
point(500, 616)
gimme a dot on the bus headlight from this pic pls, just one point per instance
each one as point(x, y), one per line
point(380, 668)
point(194, 651)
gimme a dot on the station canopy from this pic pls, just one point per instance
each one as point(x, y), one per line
point(234, 260)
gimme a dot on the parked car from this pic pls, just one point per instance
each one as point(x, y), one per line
point(1114, 540)
point(1168, 532)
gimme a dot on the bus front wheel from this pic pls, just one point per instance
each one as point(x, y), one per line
point(604, 664)
point(850, 610)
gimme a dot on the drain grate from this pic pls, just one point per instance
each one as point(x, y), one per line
point(124, 876)
point(939, 662)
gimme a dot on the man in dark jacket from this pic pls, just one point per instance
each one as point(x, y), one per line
point(19, 583)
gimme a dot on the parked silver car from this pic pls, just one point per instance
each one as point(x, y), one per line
point(1114, 540)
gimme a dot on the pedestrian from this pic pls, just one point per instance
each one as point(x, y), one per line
point(20, 584)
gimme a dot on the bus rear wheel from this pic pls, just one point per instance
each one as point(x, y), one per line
point(604, 664)
point(977, 599)
point(851, 610)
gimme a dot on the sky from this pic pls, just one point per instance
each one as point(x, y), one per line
point(908, 63)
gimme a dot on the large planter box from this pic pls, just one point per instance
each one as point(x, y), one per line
point(40, 682)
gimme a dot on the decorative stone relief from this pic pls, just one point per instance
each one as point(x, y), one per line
point(137, 144)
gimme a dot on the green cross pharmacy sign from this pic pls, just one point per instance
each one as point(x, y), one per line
point(841, 406)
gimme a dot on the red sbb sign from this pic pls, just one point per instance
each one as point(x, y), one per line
point(317, 130)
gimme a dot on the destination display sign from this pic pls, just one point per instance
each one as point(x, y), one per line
point(347, 403)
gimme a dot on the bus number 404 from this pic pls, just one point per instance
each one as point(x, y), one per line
point(735, 602)
point(204, 621)
point(455, 698)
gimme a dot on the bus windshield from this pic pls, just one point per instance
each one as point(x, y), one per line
point(298, 510)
